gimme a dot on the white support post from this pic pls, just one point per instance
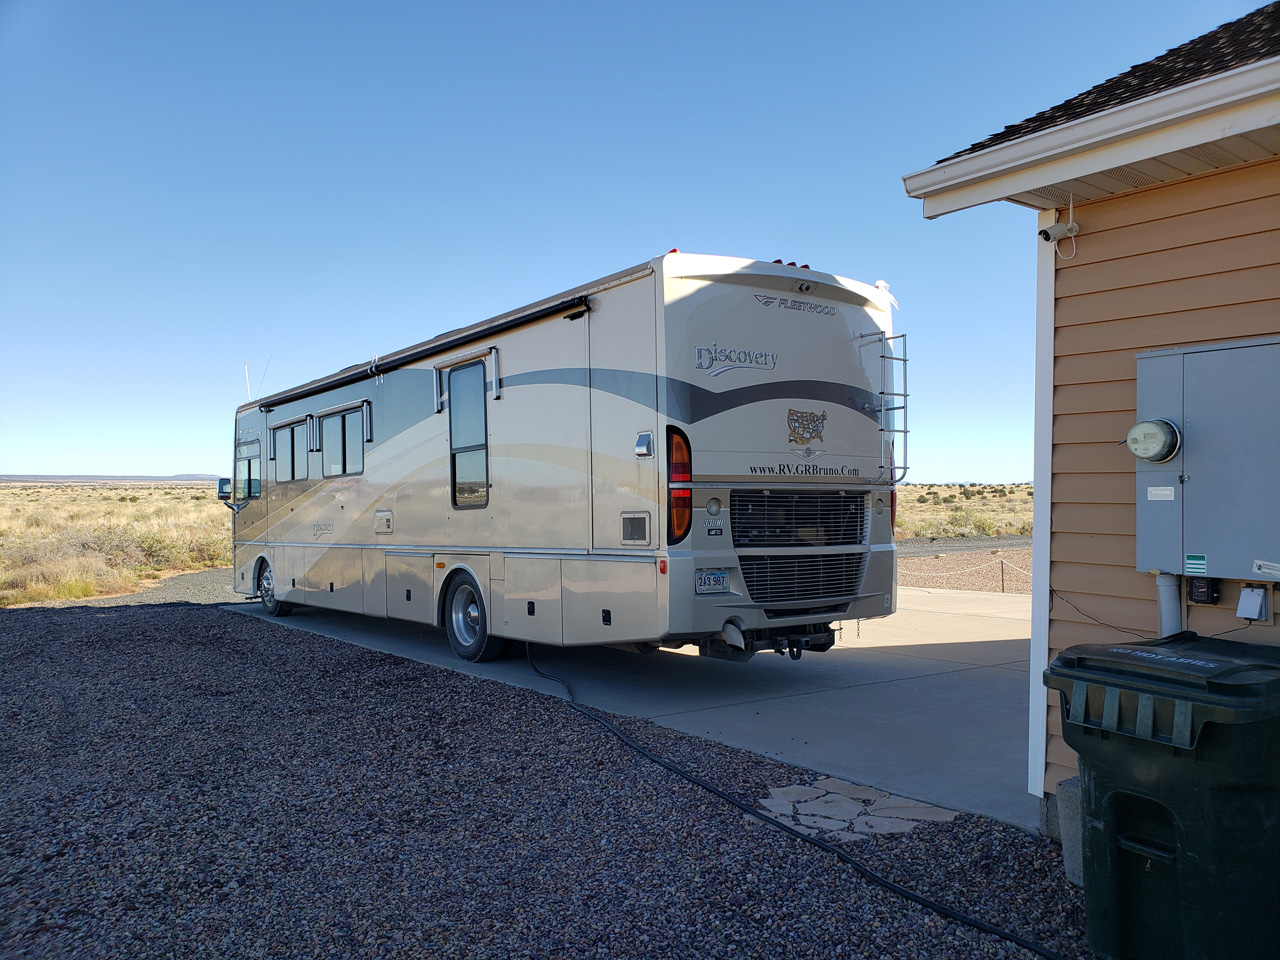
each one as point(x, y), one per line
point(1037, 720)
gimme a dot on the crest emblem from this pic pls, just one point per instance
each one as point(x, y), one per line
point(805, 427)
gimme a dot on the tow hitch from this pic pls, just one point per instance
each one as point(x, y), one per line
point(793, 647)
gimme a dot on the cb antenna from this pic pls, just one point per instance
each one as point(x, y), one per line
point(246, 381)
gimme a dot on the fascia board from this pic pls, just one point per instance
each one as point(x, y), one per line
point(1256, 84)
point(1242, 119)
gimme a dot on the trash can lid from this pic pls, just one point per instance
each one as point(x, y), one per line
point(1186, 666)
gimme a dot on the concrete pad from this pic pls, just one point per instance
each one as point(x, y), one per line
point(929, 704)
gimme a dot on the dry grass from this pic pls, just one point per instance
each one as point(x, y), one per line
point(963, 510)
point(64, 541)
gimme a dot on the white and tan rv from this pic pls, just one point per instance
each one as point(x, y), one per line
point(698, 450)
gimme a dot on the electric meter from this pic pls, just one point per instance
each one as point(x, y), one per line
point(1153, 440)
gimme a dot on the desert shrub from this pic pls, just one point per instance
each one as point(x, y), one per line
point(211, 550)
point(961, 523)
point(160, 550)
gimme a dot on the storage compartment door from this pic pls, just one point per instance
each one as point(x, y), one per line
point(411, 587)
point(609, 601)
point(335, 578)
point(531, 601)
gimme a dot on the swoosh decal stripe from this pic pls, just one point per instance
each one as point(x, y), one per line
point(690, 403)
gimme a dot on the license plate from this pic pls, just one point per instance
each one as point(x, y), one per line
point(711, 581)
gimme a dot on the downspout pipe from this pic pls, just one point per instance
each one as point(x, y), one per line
point(1169, 593)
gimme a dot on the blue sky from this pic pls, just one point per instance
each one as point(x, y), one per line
point(186, 187)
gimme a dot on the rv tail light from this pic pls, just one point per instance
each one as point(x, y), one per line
point(679, 514)
point(893, 509)
point(679, 498)
point(679, 460)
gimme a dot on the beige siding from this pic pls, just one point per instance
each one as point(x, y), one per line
point(1189, 262)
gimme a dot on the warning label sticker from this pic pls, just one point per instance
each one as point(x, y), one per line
point(1266, 568)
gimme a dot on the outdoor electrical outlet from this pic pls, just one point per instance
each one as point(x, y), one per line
point(1253, 603)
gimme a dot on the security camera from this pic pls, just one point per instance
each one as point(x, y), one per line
point(1059, 231)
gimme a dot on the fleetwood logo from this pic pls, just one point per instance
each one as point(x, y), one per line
point(716, 359)
point(805, 306)
point(807, 453)
point(323, 530)
point(805, 427)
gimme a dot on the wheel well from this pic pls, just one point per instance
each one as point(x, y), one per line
point(257, 572)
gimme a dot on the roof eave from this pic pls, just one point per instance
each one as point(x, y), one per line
point(1244, 98)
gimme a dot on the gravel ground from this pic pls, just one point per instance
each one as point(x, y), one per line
point(181, 781)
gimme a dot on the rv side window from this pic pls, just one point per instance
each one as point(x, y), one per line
point(291, 453)
point(342, 443)
point(248, 471)
point(468, 436)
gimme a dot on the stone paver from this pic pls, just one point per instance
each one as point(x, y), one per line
point(832, 805)
point(795, 794)
point(881, 825)
point(843, 811)
point(854, 791)
point(934, 814)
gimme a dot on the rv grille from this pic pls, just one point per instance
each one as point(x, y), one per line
point(819, 518)
point(788, 579)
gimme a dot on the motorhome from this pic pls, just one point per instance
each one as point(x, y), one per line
point(699, 450)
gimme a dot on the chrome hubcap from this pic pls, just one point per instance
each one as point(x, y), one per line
point(267, 586)
point(466, 615)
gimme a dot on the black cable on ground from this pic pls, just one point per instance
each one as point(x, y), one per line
point(861, 869)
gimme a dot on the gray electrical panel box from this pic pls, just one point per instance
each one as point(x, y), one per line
point(1213, 508)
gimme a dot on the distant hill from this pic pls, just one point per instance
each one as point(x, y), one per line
point(100, 478)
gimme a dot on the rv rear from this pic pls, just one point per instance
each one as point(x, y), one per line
point(784, 419)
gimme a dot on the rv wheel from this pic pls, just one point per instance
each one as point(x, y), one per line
point(466, 623)
point(267, 594)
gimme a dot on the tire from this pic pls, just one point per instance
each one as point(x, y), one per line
point(271, 606)
point(467, 624)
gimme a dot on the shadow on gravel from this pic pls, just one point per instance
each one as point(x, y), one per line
point(180, 780)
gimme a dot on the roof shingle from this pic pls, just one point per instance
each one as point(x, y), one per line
point(1252, 38)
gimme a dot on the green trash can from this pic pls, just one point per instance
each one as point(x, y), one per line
point(1179, 745)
